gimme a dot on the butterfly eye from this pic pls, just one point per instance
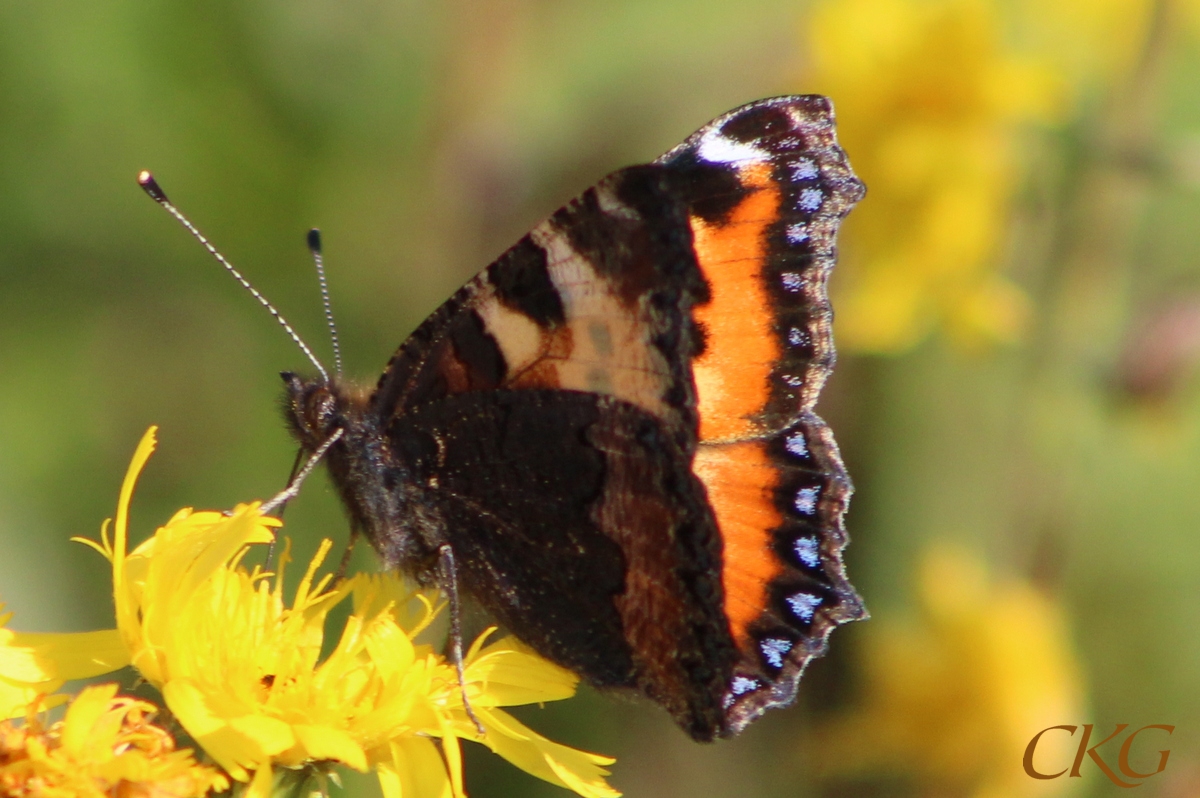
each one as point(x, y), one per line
point(320, 410)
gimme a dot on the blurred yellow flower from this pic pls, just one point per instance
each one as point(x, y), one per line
point(930, 102)
point(104, 746)
point(1090, 41)
point(242, 670)
point(952, 699)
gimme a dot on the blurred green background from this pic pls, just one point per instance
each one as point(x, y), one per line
point(1018, 316)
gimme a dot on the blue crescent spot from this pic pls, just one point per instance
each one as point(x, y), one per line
point(804, 605)
point(810, 199)
point(806, 550)
point(806, 501)
point(774, 649)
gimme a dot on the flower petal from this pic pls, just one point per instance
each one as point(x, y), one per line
point(415, 770)
point(326, 742)
point(237, 744)
point(260, 786)
point(568, 767)
point(513, 675)
point(83, 717)
point(78, 655)
point(19, 662)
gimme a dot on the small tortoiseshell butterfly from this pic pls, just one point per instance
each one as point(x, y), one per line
point(607, 437)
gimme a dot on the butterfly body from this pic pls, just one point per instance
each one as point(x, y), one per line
point(611, 429)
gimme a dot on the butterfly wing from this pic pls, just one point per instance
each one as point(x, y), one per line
point(597, 298)
point(690, 292)
point(766, 188)
point(576, 521)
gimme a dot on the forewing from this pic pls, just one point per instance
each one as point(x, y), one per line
point(765, 188)
point(597, 298)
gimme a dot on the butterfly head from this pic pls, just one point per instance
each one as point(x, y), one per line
point(331, 420)
point(313, 409)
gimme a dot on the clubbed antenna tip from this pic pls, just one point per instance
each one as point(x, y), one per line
point(151, 187)
point(314, 241)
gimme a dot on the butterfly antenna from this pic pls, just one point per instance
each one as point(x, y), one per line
point(314, 246)
point(151, 187)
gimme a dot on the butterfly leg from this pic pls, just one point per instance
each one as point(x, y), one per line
point(293, 489)
point(341, 571)
point(450, 585)
point(291, 478)
point(280, 500)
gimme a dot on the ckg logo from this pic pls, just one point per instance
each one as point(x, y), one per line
point(1123, 776)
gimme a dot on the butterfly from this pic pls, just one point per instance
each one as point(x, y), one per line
point(607, 437)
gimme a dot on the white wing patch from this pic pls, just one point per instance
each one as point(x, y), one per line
point(716, 148)
point(518, 336)
point(608, 354)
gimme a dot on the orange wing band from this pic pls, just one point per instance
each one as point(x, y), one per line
point(741, 482)
point(733, 374)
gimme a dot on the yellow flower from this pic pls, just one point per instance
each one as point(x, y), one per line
point(35, 665)
point(952, 699)
point(104, 746)
point(241, 668)
point(930, 103)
